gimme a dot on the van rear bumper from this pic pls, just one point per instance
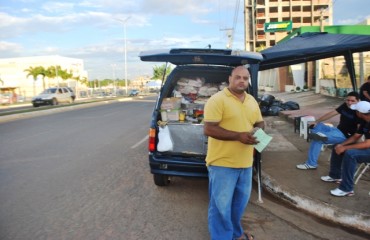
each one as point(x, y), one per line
point(177, 167)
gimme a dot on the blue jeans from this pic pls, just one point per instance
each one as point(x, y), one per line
point(229, 192)
point(344, 166)
point(334, 135)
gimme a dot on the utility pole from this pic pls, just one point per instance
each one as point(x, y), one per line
point(114, 78)
point(321, 19)
point(125, 42)
point(229, 34)
point(249, 26)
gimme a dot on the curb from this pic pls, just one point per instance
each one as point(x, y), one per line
point(322, 210)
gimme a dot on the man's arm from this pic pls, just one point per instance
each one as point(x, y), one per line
point(260, 124)
point(212, 129)
point(327, 116)
point(352, 143)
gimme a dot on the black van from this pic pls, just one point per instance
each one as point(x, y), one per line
point(199, 73)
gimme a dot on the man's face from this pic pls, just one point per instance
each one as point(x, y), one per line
point(239, 79)
point(351, 100)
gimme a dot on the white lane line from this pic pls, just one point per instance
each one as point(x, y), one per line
point(140, 142)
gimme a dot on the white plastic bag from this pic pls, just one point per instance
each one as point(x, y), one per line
point(165, 143)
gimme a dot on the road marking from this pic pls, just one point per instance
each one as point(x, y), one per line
point(140, 142)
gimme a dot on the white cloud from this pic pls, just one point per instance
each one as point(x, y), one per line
point(58, 7)
point(175, 7)
point(351, 21)
point(8, 49)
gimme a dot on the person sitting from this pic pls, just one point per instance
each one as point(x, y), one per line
point(365, 90)
point(346, 155)
point(323, 134)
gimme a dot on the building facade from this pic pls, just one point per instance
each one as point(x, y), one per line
point(303, 16)
point(300, 12)
point(13, 73)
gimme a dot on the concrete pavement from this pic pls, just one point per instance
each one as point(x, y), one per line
point(303, 188)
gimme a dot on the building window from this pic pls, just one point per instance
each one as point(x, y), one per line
point(296, 8)
point(273, 10)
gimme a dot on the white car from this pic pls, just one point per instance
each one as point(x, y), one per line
point(53, 96)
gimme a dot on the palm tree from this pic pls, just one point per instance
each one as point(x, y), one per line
point(34, 72)
point(81, 81)
point(56, 72)
point(161, 71)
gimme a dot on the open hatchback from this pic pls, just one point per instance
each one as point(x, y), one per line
point(199, 73)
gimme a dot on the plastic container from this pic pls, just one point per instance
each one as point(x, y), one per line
point(173, 115)
point(164, 116)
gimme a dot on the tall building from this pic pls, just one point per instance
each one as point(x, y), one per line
point(260, 14)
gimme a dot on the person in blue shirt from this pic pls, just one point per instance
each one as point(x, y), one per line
point(323, 134)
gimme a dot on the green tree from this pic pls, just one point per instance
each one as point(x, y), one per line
point(160, 71)
point(82, 80)
point(36, 71)
point(57, 71)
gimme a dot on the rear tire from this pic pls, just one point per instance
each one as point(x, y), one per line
point(161, 180)
point(35, 105)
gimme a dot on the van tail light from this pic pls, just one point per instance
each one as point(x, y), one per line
point(152, 143)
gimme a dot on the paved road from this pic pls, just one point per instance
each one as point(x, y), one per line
point(83, 174)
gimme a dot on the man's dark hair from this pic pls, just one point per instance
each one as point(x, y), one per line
point(354, 94)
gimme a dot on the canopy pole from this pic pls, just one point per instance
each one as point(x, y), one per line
point(351, 69)
point(257, 157)
point(254, 79)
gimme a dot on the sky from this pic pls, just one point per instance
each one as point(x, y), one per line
point(95, 30)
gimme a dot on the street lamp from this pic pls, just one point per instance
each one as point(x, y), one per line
point(125, 39)
point(114, 79)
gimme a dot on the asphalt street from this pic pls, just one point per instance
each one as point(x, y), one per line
point(84, 174)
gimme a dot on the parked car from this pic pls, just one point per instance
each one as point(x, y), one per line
point(134, 92)
point(53, 96)
point(199, 74)
point(5, 98)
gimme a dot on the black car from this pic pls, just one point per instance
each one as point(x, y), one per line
point(199, 74)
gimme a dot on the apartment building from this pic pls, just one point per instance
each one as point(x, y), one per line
point(300, 12)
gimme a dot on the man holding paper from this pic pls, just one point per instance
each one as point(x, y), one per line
point(230, 117)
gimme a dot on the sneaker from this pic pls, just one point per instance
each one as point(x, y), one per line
point(305, 166)
point(339, 193)
point(318, 136)
point(330, 179)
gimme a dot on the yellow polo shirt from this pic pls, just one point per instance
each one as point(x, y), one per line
point(234, 115)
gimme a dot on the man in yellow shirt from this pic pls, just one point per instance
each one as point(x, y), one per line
point(230, 117)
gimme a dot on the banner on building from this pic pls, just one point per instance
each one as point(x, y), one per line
point(278, 26)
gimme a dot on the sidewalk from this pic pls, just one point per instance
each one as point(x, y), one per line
point(303, 188)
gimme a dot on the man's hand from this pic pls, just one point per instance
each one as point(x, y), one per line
point(339, 149)
point(247, 138)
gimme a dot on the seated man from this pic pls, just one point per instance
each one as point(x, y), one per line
point(324, 134)
point(346, 155)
